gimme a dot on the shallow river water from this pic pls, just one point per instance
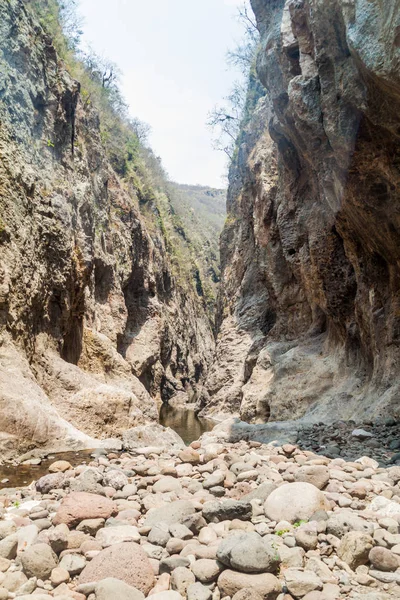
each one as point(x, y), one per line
point(184, 422)
point(21, 475)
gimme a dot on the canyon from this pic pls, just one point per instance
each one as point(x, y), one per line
point(112, 303)
point(116, 301)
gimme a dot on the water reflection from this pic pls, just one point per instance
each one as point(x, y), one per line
point(23, 475)
point(184, 422)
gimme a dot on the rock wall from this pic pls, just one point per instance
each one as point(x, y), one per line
point(94, 329)
point(309, 305)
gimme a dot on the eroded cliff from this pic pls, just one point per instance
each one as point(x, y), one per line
point(98, 321)
point(309, 304)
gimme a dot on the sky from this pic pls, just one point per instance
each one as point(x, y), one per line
point(172, 54)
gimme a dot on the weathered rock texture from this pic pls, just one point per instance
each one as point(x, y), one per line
point(91, 317)
point(309, 306)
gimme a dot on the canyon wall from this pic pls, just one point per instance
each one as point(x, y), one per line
point(309, 308)
point(96, 326)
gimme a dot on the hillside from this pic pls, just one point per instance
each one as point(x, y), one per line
point(201, 212)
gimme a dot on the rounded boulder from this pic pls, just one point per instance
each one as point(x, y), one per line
point(126, 562)
point(294, 502)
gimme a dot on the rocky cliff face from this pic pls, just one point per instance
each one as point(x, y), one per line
point(309, 306)
point(94, 326)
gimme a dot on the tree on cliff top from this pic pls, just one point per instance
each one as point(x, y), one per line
point(226, 120)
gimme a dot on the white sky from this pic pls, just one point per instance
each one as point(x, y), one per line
point(172, 56)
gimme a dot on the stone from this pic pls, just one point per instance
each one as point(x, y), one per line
point(216, 512)
point(173, 512)
point(384, 507)
point(291, 557)
point(215, 479)
point(320, 569)
point(189, 455)
point(60, 466)
point(78, 506)
point(151, 435)
point(27, 536)
point(88, 481)
point(53, 481)
point(162, 585)
point(58, 538)
point(39, 596)
point(115, 479)
point(126, 562)
point(38, 561)
point(167, 484)
point(248, 553)
point(207, 570)
point(8, 546)
point(181, 578)
point(361, 434)
point(247, 594)
point(207, 536)
point(4, 564)
point(128, 490)
point(341, 522)
point(299, 583)
point(168, 565)
point(7, 528)
point(354, 548)
point(58, 576)
point(306, 537)
point(115, 589)
point(261, 492)
point(265, 584)
point(90, 526)
point(198, 591)
point(73, 563)
point(167, 595)
point(14, 580)
point(294, 502)
point(109, 536)
point(180, 531)
point(383, 559)
point(317, 475)
point(111, 444)
point(159, 534)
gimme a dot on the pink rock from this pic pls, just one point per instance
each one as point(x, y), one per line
point(78, 506)
point(126, 561)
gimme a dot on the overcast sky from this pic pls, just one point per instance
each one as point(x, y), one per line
point(172, 55)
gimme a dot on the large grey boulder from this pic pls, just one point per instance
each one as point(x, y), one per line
point(248, 553)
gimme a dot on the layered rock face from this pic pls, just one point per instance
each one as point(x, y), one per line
point(309, 306)
point(94, 329)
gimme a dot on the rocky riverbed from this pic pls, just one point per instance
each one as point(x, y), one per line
point(214, 520)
